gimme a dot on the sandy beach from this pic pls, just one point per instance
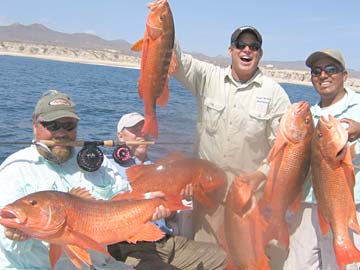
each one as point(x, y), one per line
point(299, 77)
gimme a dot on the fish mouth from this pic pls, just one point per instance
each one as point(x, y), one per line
point(11, 217)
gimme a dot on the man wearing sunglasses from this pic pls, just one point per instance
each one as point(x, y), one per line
point(37, 168)
point(328, 76)
point(238, 117)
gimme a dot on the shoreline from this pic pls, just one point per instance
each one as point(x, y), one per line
point(296, 77)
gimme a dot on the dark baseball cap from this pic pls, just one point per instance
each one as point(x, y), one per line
point(54, 105)
point(236, 34)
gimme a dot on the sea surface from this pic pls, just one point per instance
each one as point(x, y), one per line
point(102, 95)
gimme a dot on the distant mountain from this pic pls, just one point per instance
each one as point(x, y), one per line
point(38, 33)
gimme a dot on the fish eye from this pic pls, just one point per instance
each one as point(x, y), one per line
point(307, 121)
point(32, 202)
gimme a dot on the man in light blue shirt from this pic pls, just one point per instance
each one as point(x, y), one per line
point(309, 249)
point(37, 168)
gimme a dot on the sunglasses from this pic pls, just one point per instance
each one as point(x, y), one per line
point(55, 126)
point(255, 46)
point(329, 70)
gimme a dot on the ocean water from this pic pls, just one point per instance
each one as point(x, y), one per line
point(102, 95)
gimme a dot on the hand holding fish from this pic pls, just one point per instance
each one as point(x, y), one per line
point(16, 234)
point(353, 129)
point(187, 192)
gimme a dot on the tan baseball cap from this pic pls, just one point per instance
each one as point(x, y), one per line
point(325, 53)
point(129, 120)
point(54, 105)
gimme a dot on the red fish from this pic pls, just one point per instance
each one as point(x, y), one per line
point(333, 180)
point(73, 222)
point(244, 227)
point(157, 62)
point(171, 174)
point(289, 161)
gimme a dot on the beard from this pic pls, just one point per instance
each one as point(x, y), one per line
point(57, 154)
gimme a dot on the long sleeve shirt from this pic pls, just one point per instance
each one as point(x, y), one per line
point(347, 107)
point(237, 122)
point(25, 172)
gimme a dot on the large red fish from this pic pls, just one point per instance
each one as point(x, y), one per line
point(244, 227)
point(74, 222)
point(172, 173)
point(289, 161)
point(333, 180)
point(157, 62)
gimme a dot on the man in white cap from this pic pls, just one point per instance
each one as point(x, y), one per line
point(173, 251)
point(309, 249)
point(239, 110)
point(129, 129)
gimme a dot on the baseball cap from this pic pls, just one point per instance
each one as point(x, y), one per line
point(129, 120)
point(54, 105)
point(325, 53)
point(235, 35)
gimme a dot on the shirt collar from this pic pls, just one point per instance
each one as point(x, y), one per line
point(257, 78)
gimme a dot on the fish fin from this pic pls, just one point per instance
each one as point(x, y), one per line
point(150, 126)
point(173, 64)
point(85, 241)
point(324, 225)
point(82, 193)
point(353, 223)
point(137, 46)
point(77, 255)
point(55, 252)
point(148, 232)
point(352, 150)
point(346, 252)
point(202, 198)
point(296, 204)
point(277, 148)
point(175, 155)
point(164, 98)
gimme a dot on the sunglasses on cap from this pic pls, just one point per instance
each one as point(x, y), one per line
point(329, 70)
point(255, 46)
point(55, 126)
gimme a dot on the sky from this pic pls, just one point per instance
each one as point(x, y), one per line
point(291, 30)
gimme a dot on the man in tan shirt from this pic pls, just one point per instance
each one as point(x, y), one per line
point(239, 110)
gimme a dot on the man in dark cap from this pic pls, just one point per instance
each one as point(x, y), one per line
point(328, 76)
point(239, 110)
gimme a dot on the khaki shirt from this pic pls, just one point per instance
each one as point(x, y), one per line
point(237, 122)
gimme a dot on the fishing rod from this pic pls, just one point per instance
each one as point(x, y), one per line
point(90, 157)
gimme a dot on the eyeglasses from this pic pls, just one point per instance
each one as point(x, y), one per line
point(55, 126)
point(329, 70)
point(255, 46)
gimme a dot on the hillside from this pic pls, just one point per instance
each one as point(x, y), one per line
point(36, 40)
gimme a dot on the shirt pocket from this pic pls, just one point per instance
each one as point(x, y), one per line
point(212, 113)
point(256, 125)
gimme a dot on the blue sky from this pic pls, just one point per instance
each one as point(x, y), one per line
point(291, 29)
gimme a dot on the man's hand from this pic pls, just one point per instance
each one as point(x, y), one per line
point(187, 192)
point(15, 234)
point(160, 212)
point(353, 128)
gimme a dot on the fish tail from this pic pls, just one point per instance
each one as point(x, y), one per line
point(150, 126)
point(346, 253)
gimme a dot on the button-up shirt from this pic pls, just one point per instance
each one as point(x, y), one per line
point(237, 121)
